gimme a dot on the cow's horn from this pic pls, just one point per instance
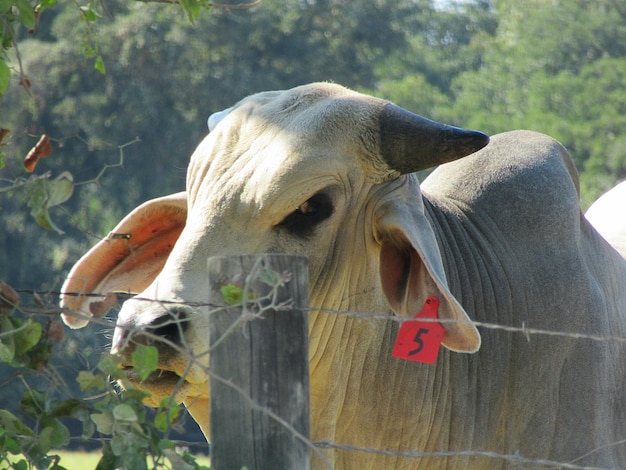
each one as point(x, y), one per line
point(410, 143)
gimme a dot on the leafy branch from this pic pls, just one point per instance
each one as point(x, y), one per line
point(42, 192)
point(15, 14)
point(130, 438)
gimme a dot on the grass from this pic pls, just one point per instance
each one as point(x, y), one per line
point(89, 460)
point(78, 460)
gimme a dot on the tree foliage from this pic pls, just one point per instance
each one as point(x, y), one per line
point(130, 437)
point(555, 67)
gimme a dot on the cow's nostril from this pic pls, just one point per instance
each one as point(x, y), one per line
point(169, 327)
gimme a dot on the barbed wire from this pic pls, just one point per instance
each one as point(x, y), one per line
point(525, 330)
point(199, 358)
point(514, 458)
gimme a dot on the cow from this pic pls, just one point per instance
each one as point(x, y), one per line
point(531, 298)
point(606, 214)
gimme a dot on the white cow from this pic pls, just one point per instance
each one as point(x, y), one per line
point(608, 216)
point(498, 237)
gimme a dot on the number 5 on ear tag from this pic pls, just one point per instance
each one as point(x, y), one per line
point(420, 340)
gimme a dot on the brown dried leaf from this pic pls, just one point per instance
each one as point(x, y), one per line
point(55, 332)
point(25, 82)
point(3, 134)
point(42, 149)
point(8, 297)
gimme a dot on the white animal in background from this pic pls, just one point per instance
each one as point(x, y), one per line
point(608, 215)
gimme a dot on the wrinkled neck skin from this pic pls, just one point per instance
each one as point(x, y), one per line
point(462, 402)
point(350, 356)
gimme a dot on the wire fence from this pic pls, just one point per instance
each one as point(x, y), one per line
point(199, 358)
point(522, 329)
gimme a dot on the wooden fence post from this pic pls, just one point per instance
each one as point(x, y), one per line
point(259, 362)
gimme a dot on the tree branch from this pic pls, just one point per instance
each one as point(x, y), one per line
point(224, 6)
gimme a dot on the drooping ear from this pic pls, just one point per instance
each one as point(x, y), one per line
point(127, 260)
point(411, 270)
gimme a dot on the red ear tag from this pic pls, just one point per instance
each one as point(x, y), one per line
point(420, 340)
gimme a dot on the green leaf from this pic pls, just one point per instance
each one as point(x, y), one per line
point(59, 434)
point(89, 429)
point(21, 465)
point(108, 462)
point(104, 422)
point(61, 189)
point(34, 403)
point(166, 443)
point(269, 277)
point(110, 364)
point(118, 445)
point(44, 440)
point(9, 422)
point(125, 413)
point(232, 294)
point(7, 340)
point(193, 8)
point(27, 13)
point(88, 381)
point(145, 360)
point(45, 4)
point(134, 393)
point(44, 194)
point(6, 4)
point(81, 413)
point(88, 13)
point(7, 350)
point(69, 407)
point(131, 448)
point(168, 413)
point(5, 77)
point(176, 460)
point(8, 444)
point(99, 65)
point(28, 337)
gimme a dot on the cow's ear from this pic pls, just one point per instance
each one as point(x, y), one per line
point(127, 260)
point(411, 270)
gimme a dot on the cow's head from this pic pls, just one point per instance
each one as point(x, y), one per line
point(318, 170)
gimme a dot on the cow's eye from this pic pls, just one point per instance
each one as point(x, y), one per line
point(307, 215)
point(310, 208)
